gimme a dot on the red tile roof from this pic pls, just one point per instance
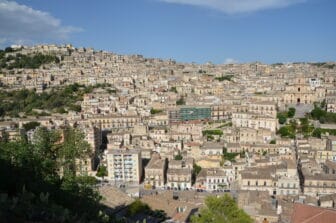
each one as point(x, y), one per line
point(309, 214)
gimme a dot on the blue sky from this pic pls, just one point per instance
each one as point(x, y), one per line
point(186, 30)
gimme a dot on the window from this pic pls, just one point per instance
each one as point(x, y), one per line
point(248, 183)
point(264, 183)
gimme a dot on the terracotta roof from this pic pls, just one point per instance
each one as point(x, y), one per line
point(310, 214)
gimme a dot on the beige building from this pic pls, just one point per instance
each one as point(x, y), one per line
point(179, 174)
point(254, 120)
point(124, 165)
point(318, 180)
point(155, 172)
point(303, 90)
point(281, 179)
point(211, 179)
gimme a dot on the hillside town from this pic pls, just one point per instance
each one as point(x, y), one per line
point(172, 133)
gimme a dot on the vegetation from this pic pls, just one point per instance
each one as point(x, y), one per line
point(258, 93)
point(221, 209)
point(288, 131)
point(24, 61)
point(178, 157)
point(196, 170)
point(212, 132)
point(230, 156)
point(303, 127)
point(291, 112)
point(30, 125)
point(33, 191)
point(226, 124)
point(225, 78)
point(57, 100)
point(282, 116)
point(210, 137)
point(173, 89)
point(102, 172)
point(155, 111)
point(324, 65)
point(323, 116)
point(181, 101)
point(273, 141)
point(137, 207)
point(317, 132)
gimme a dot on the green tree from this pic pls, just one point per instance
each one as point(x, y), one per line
point(155, 111)
point(286, 131)
point(75, 149)
point(178, 157)
point(196, 169)
point(30, 125)
point(281, 118)
point(31, 191)
point(137, 207)
point(221, 210)
point(291, 112)
point(45, 146)
point(102, 172)
point(181, 101)
point(173, 89)
point(317, 133)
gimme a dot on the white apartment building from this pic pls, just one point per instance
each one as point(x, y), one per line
point(124, 165)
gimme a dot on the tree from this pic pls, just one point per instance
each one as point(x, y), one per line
point(317, 133)
point(286, 131)
point(178, 157)
point(155, 111)
point(197, 168)
point(75, 149)
point(173, 89)
point(221, 210)
point(102, 172)
point(181, 101)
point(282, 118)
point(33, 192)
point(30, 125)
point(291, 112)
point(46, 146)
point(137, 207)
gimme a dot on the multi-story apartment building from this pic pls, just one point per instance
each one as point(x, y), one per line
point(318, 179)
point(155, 172)
point(124, 165)
point(179, 174)
point(254, 120)
point(288, 182)
point(281, 179)
point(212, 179)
